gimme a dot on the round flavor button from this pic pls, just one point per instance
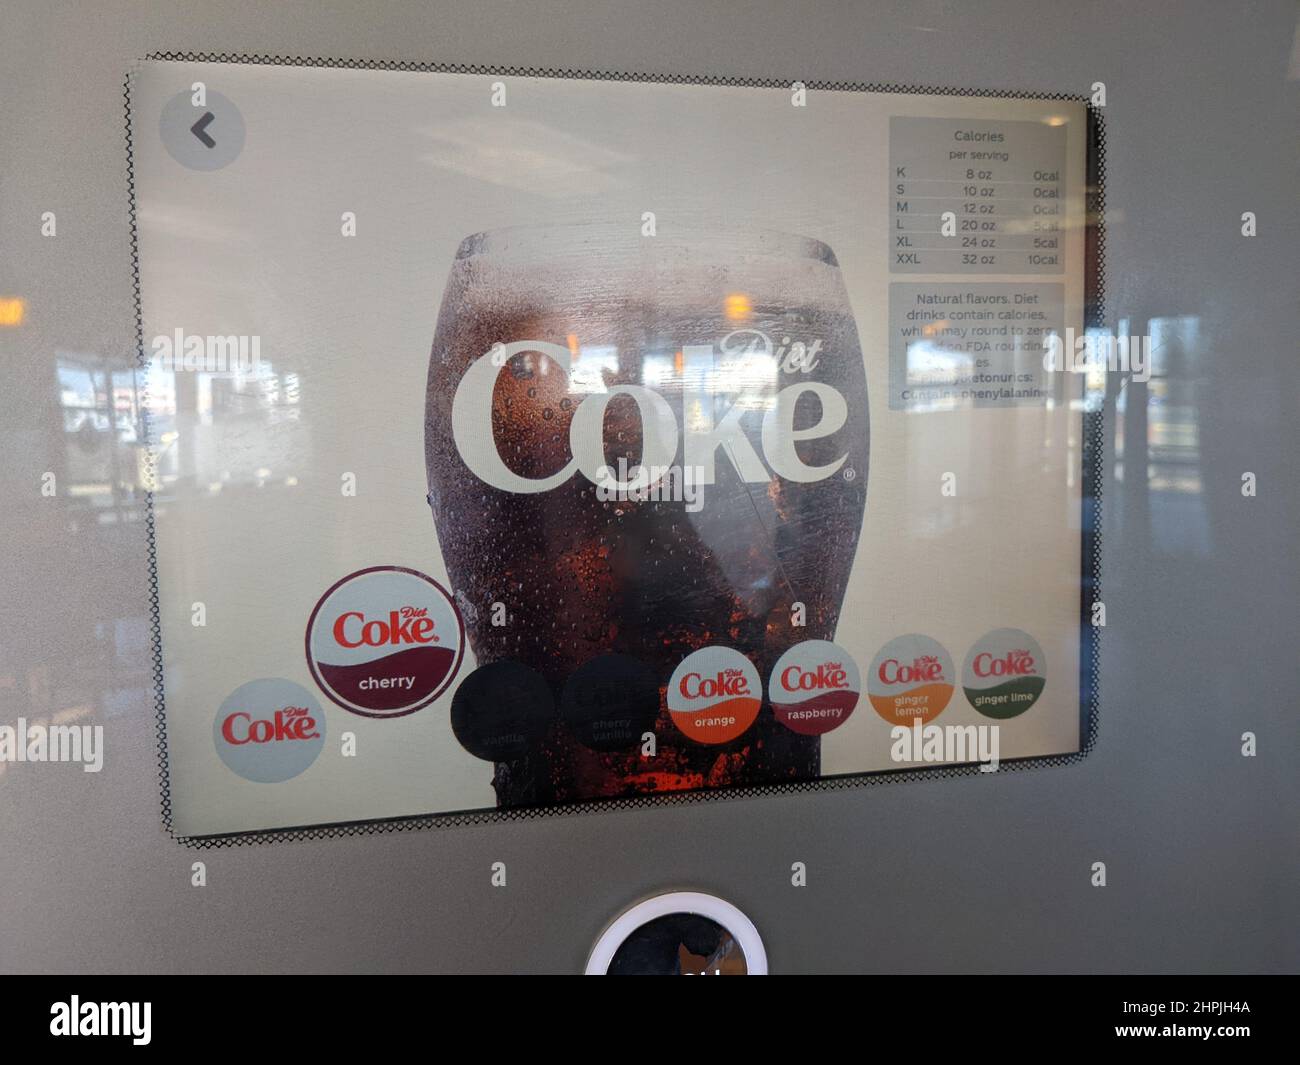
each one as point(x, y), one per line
point(610, 702)
point(269, 730)
point(385, 641)
point(501, 711)
point(911, 679)
point(814, 687)
point(714, 695)
point(1005, 673)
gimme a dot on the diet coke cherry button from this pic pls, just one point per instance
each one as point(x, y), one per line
point(385, 641)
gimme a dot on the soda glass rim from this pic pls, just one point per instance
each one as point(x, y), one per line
point(600, 238)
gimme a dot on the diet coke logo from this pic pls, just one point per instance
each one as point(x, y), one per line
point(1019, 663)
point(410, 625)
point(727, 683)
point(796, 357)
point(291, 723)
point(702, 439)
point(826, 676)
point(926, 669)
point(269, 730)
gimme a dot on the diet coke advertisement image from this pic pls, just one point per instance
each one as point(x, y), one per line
point(606, 488)
point(604, 458)
point(724, 363)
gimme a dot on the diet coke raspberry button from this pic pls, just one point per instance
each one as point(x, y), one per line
point(814, 687)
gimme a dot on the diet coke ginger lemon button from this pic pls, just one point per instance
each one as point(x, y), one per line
point(714, 695)
point(814, 687)
point(385, 641)
point(911, 679)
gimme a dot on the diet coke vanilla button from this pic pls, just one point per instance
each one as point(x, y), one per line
point(814, 687)
point(385, 641)
point(714, 695)
point(502, 711)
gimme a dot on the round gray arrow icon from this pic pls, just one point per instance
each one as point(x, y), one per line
point(208, 137)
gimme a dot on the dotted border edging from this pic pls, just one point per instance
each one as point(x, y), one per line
point(1092, 452)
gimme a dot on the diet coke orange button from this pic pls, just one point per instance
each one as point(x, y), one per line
point(714, 695)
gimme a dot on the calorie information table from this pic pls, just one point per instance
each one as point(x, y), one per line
point(976, 197)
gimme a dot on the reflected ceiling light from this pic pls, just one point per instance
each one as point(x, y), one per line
point(12, 309)
point(738, 307)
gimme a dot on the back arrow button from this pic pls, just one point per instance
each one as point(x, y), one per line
point(199, 129)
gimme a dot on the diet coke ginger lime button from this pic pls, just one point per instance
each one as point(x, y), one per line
point(1005, 673)
point(814, 687)
point(714, 695)
point(385, 641)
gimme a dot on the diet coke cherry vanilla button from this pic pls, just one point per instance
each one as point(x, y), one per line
point(714, 695)
point(385, 641)
point(814, 687)
point(911, 679)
